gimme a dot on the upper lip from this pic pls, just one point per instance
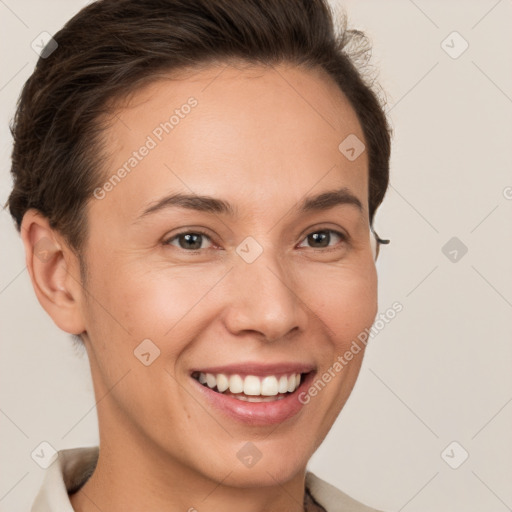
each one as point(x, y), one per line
point(254, 368)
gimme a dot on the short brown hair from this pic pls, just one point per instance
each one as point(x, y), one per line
point(112, 47)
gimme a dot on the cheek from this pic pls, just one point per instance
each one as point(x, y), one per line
point(346, 300)
point(135, 302)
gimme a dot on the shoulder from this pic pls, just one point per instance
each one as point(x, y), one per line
point(331, 498)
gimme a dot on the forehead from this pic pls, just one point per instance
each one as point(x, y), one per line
point(258, 133)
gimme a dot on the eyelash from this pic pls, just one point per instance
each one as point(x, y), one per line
point(344, 239)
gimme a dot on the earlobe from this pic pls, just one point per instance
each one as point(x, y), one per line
point(53, 270)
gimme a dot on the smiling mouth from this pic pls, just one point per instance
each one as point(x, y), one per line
point(251, 388)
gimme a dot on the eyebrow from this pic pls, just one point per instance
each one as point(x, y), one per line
point(208, 204)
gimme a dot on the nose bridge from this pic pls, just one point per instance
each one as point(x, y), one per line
point(264, 294)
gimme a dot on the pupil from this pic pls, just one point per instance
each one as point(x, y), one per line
point(189, 237)
point(321, 236)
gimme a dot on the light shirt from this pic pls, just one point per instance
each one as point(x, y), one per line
point(74, 466)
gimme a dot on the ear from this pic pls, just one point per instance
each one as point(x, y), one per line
point(54, 271)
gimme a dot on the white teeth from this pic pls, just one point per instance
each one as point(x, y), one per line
point(293, 382)
point(236, 384)
point(283, 384)
point(269, 386)
point(211, 381)
point(222, 382)
point(258, 398)
point(251, 385)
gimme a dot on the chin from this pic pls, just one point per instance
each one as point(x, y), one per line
point(271, 473)
point(279, 462)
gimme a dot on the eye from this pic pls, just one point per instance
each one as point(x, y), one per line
point(193, 240)
point(322, 238)
point(188, 240)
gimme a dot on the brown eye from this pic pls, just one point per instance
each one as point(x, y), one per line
point(322, 239)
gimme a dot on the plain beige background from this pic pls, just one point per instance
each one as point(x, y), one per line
point(437, 373)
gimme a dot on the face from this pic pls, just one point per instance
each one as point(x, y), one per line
point(245, 289)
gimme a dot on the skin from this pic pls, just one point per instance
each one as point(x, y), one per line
point(261, 138)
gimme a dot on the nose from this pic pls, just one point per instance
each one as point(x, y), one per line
point(264, 299)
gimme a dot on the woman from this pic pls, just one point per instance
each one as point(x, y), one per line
point(195, 184)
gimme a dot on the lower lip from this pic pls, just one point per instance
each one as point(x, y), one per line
point(257, 413)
